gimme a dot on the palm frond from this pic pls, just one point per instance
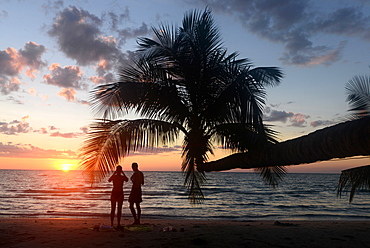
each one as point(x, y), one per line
point(354, 179)
point(195, 150)
point(109, 141)
point(267, 75)
point(241, 137)
point(147, 99)
point(194, 181)
point(358, 95)
point(272, 175)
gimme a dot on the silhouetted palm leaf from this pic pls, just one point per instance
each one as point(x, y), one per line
point(358, 95)
point(354, 179)
point(108, 141)
point(272, 175)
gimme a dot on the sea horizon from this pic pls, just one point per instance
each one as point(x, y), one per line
point(226, 171)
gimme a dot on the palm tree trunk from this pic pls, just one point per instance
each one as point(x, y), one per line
point(348, 139)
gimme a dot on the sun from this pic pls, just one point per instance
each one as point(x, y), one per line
point(66, 167)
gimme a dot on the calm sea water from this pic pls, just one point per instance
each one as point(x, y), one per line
point(232, 196)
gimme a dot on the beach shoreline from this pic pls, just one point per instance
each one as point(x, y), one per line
point(83, 232)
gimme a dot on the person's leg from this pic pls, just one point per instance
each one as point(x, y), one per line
point(119, 212)
point(133, 212)
point(112, 211)
point(138, 208)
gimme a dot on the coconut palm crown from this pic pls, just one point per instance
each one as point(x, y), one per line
point(182, 85)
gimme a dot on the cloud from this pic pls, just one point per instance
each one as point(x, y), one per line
point(129, 33)
point(15, 127)
point(103, 66)
point(83, 102)
point(13, 62)
point(53, 131)
point(65, 135)
point(8, 86)
point(296, 23)
point(67, 77)
point(3, 14)
point(68, 94)
point(52, 5)
point(34, 92)
point(43, 130)
point(15, 101)
point(79, 37)
point(349, 21)
point(126, 33)
point(115, 19)
point(31, 56)
point(322, 123)
point(30, 151)
point(10, 63)
point(84, 129)
point(276, 115)
point(299, 120)
point(53, 128)
point(108, 78)
point(295, 119)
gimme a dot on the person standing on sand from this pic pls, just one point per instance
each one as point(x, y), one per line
point(135, 196)
point(117, 195)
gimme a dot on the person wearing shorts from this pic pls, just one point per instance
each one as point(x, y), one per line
point(135, 197)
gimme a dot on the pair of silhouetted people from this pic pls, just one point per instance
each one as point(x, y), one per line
point(117, 196)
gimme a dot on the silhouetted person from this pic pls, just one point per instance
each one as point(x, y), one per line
point(135, 196)
point(117, 196)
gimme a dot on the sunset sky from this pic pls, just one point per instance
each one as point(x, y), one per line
point(52, 53)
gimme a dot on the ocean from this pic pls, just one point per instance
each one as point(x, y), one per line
point(240, 196)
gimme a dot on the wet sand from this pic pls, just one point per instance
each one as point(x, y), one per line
point(84, 232)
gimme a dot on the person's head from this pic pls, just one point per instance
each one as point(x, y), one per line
point(135, 166)
point(119, 168)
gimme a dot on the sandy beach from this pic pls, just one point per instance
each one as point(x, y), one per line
point(83, 232)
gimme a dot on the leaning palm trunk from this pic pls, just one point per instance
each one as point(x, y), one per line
point(348, 139)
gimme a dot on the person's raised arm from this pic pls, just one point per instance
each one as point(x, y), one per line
point(111, 178)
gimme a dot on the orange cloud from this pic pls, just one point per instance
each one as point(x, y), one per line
point(34, 92)
point(68, 94)
point(12, 62)
point(15, 127)
point(29, 151)
point(24, 118)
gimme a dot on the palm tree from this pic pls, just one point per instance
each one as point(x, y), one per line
point(182, 84)
point(347, 139)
